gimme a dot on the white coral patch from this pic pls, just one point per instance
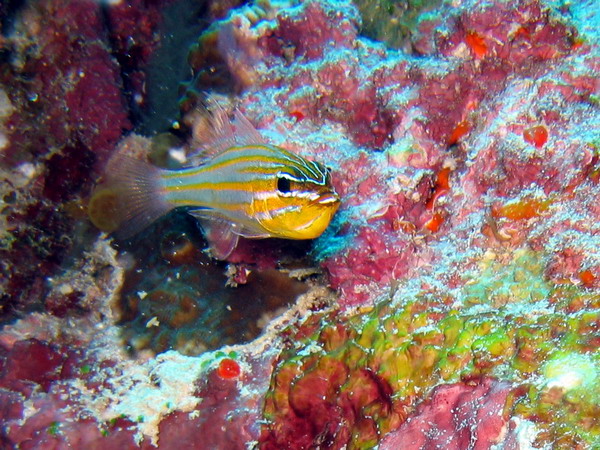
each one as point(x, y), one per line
point(570, 372)
point(145, 393)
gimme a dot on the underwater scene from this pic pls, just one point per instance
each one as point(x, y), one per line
point(300, 224)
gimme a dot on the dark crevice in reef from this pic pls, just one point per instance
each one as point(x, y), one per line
point(8, 11)
point(151, 81)
point(175, 296)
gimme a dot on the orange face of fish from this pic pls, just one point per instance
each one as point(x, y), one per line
point(302, 205)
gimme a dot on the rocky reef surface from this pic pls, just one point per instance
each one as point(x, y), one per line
point(454, 301)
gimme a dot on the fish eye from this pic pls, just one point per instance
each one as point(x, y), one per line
point(283, 185)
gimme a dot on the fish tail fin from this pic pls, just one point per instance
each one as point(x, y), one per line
point(137, 197)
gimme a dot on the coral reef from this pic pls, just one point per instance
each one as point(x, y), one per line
point(456, 416)
point(469, 203)
point(350, 381)
point(86, 391)
point(67, 113)
point(394, 23)
point(452, 302)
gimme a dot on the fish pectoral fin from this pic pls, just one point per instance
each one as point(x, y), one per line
point(250, 234)
point(222, 234)
point(204, 214)
point(210, 215)
point(219, 233)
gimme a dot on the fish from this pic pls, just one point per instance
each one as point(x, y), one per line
point(237, 185)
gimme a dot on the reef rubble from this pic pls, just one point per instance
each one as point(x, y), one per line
point(454, 300)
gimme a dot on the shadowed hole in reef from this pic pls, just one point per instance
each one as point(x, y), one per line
point(175, 296)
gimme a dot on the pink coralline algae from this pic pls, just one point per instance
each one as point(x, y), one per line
point(68, 111)
point(457, 416)
point(453, 301)
point(75, 74)
point(412, 109)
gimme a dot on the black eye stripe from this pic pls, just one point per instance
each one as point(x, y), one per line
point(284, 187)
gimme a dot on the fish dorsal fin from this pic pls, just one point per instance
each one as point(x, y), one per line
point(246, 130)
point(220, 132)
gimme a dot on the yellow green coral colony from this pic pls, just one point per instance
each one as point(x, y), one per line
point(413, 345)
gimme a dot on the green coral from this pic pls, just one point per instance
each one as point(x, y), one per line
point(518, 281)
point(566, 396)
point(54, 428)
point(212, 359)
point(393, 22)
point(405, 348)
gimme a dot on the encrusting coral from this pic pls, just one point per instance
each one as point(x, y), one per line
point(349, 381)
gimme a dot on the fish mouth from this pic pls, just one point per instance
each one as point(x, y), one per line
point(330, 198)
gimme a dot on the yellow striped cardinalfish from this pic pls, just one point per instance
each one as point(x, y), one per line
point(239, 186)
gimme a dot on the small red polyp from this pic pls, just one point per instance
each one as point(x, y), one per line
point(228, 369)
point(298, 115)
point(461, 129)
point(434, 223)
point(536, 135)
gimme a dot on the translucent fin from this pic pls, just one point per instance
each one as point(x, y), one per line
point(208, 214)
point(140, 200)
point(219, 132)
point(250, 234)
point(245, 130)
point(223, 221)
point(220, 235)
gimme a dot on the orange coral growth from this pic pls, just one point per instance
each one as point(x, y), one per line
point(477, 44)
point(527, 208)
point(522, 33)
point(587, 278)
point(443, 179)
point(404, 226)
point(460, 130)
point(228, 369)
point(434, 223)
point(536, 135)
